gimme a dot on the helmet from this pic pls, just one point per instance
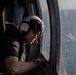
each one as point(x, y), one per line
point(35, 23)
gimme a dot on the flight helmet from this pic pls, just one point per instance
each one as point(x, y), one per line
point(34, 22)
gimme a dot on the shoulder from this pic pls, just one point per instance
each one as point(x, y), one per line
point(10, 40)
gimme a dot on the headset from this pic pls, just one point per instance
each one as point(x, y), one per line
point(34, 23)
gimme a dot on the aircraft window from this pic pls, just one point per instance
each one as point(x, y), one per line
point(68, 37)
point(45, 47)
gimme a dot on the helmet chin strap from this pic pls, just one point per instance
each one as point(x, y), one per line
point(23, 33)
point(23, 36)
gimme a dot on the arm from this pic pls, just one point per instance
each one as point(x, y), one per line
point(14, 66)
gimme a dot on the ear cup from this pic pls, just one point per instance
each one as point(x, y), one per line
point(24, 27)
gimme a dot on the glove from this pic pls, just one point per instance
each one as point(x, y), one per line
point(41, 64)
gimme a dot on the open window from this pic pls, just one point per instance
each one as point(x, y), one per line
point(67, 64)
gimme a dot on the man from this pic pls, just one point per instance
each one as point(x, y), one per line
point(14, 39)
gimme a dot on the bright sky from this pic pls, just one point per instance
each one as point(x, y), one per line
point(67, 4)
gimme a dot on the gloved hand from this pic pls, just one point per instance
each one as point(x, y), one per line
point(41, 64)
